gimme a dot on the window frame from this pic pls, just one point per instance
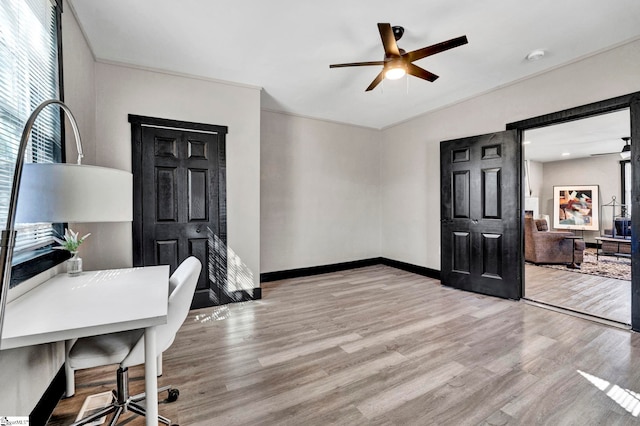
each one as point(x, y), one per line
point(34, 262)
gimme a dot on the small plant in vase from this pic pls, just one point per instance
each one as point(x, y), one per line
point(71, 243)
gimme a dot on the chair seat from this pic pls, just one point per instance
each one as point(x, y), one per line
point(94, 351)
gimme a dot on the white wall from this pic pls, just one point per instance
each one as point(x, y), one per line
point(101, 96)
point(27, 372)
point(122, 90)
point(80, 96)
point(603, 171)
point(320, 192)
point(410, 180)
point(535, 179)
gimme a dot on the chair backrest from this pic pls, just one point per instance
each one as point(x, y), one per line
point(182, 286)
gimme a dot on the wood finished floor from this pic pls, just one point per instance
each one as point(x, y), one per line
point(380, 346)
point(604, 297)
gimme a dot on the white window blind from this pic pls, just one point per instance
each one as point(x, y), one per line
point(29, 75)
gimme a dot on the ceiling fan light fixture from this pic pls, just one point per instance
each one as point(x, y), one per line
point(626, 149)
point(395, 69)
point(626, 152)
point(395, 73)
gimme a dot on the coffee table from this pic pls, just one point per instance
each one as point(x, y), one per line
point(622, 247)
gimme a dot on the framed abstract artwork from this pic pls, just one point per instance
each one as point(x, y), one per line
point(576, 207)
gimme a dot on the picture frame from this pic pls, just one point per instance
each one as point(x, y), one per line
point(576, 207)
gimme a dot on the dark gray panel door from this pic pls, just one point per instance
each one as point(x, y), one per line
point(480, 214)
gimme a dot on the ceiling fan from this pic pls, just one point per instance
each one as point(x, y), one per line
point(397, 62)
point(625, 153)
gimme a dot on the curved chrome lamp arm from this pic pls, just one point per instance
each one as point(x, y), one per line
point(8, 239)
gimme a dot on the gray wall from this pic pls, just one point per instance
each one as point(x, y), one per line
point(603, 171)
point(320, 192)
point(124, 90)
point(26, 372)
point(405, 169)
point(101, 95)
point(410, 180)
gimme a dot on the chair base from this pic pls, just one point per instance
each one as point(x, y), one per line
point(122, 402)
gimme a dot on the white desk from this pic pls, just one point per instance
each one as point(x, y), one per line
point(94, 303)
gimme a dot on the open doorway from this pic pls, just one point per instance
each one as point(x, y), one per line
point(577, 204)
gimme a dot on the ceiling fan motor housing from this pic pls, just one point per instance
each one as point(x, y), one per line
point(397, 32)
point(626, 147)
point(388, 57)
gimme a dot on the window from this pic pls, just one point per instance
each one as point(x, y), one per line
point(625, 167)
point(29, 74)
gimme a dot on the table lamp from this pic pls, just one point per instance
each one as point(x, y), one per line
point(60, 192)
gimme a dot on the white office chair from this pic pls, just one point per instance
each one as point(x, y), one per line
point(127, 348)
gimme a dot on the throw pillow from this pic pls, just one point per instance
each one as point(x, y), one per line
point(541, 224)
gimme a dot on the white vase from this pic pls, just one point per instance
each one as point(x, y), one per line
point(74, 265)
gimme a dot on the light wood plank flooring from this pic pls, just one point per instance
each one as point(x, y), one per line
point(379, 346)
point(604, 297)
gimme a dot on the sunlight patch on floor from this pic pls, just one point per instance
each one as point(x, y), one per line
point(219, 313)
point(625, 398)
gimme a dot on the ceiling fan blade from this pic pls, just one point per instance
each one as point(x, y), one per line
point(388, 40)
point(357, 64)
point(436, 48)
point(625, 149)
point(416, 71)
point(376, 81)
point(604, 153)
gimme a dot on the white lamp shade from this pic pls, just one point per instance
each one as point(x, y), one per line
point(61, 192)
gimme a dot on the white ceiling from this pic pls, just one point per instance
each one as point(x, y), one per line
point(286, 46)
point(598, 135)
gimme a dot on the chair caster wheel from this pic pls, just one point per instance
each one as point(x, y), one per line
point(172, 395)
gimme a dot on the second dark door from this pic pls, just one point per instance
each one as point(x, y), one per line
point(480, 214)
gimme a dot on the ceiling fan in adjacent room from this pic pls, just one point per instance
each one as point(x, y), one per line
point(625, 153)
point(397, 62)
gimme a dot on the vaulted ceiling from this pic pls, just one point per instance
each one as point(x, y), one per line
point(286, 46)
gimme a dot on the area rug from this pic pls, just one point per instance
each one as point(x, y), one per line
point(606, 266)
